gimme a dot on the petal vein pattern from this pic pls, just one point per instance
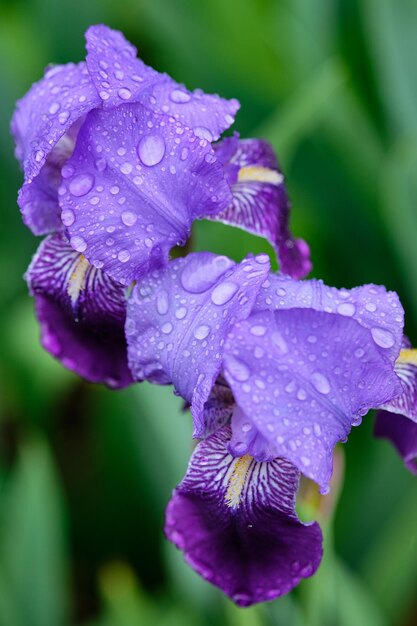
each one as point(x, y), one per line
point(81, 312)
point(179, 317)
point(235, 521)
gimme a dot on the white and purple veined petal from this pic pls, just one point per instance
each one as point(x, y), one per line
point(235, 521)
point(397, 419)
point(372, 306)
point(178, 319)
point(260, 202)
point(134, 185)
point(81, 312)
point(121, 77)
point(303, 378)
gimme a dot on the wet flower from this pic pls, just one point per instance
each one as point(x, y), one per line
point(304, 361)
point(235, 520)
point(119, 155)
point(397, 420)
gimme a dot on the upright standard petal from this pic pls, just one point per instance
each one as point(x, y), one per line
point(235, 521)
point(372, 306)
point(120, 77)
point(81, 312)
point(303, 378)
point(178, 319)
point(398, 419)
point(133, 186)
point(47, 112)
point(260, 203)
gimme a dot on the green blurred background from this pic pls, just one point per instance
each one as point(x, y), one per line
point(85, 473)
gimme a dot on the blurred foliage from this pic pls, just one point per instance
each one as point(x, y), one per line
point(85, 472)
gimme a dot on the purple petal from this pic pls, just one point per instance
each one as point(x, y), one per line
point(133, 186)
point(372, 306)
point(402, 432)
point(120, 77)
point(81, 312)
point(260, 203)
point(179, 317)
point(219, 407)
point(235, 521)
point(38, 201)
point(48, 111)
point(114, 69)
point(303, 378)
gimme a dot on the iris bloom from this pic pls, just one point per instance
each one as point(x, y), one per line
point(118, 162)
point(276, 372)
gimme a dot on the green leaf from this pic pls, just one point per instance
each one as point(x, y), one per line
point(32, 539)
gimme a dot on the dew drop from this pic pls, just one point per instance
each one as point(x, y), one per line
point(320, 382)
point(180, 96)
point(279, 342)
point(224, 292)
point(78, 243)
point(81, 184)
point(203, 133)
point(181, 313)
point(382, 337)
point(346, 308)
point(167, 328)
point(67, 217)
point(129, 218)
point(126, 168)
point(370, 306)
point(124, 93)
point(201, 332)
point(67, 171)
point(151, 149)
point(123, 256)
point(184, 154)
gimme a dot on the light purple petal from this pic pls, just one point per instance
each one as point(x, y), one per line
point(120, 77)
point(114, 69)
point(48, 111)
point(303, 378)
point(402, 432)
point(133, 186)
point(38, 201)
point(178, 319)
point(219, 407)
point(260, 203)
point(235, 521)
point(372, 306)
point(81, 312)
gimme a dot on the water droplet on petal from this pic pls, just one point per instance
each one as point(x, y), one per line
point(167, 328)
point(151, 149)
point(180, 96)
point(224, 292)
point(123, 256)
point(382, 337)
point(181, 313)
point(124, 93)
point(81, 184)
point(203, 133)
point(67, 217)
point(258, 330)
point(279, 342)
point(370, 306)
point(201, 332)
point(320, 382)
point(129, 218)
point(78, 243)
point(346, 308)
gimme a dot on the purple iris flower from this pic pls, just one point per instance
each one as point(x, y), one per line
point(304, 361)
point(397, 420)
point(235, 520)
